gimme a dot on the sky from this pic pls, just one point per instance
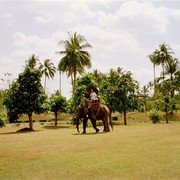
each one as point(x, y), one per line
point(122, 34)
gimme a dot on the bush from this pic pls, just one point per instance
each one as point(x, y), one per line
point(154, 115)
point(2, 123)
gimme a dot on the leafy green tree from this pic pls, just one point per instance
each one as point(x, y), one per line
point(108, 87)
point(26, 96)
point(119, 91)
point(125, 94)
point(76, 58)
point(58, 104)
point(1, 100)
point(11, 102)
point(48, 70)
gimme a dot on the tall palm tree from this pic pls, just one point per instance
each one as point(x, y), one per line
point(48, 69)
point(171, 68)
point(163, 54)
point(32, 61)
point(76, 58)
point(153, 58)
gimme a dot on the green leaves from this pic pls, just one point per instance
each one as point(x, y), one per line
point(76, 58)
point(58, 103)
point(26, 94)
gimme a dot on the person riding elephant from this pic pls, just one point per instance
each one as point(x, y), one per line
point(94, 114)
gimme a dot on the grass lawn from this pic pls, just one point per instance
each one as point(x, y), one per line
point(135, 151)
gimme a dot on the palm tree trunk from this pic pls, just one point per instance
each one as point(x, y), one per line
point(72, 84)
point(30, 121)
point(60, 82)
point(154, 77)
point(163, 70)
point(45, 84)
point(172, 91)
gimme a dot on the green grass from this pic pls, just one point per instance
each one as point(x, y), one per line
point(136, 151)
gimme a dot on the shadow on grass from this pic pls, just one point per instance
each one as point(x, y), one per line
point(91, 133)
point(56, 127)
point(20, 131)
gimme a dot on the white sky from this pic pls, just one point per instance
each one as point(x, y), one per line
point(122, 33)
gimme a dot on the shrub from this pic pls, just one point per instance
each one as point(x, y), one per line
point(154, 115)
point(2, 123)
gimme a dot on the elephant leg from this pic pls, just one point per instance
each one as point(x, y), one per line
point(84, 125)
point(106, 125)
point(94, 125)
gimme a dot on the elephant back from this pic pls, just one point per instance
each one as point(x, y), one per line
point(105, 108)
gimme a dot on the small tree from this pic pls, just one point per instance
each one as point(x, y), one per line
point(125, 94)
point(58, 103)
point(26, 94)
point(119, 90)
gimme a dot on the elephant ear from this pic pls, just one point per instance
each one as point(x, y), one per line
point(88, 89)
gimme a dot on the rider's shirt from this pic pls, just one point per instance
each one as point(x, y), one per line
point(93, 96)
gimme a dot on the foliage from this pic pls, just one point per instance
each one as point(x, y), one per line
point(32, 61)
point(119, 91)
point(11, 102)
point(57, 103)
point(109, 87)
point(81, 85)
point(48, 70)
point(2, 120)
point(26, 94)
point(1, 99)
point(76, 58)
point(154, 115)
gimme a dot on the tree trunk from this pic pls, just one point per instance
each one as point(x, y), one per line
point(60, 82)
point(172, 90)
point(56, 118)
point(154, 77)
point(125, 121)
point(166, 116)
point(30, 121)
point(72, 84)
point(45, 83)
point(163, 71)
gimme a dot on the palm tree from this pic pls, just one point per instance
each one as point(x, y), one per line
point(171, 68)
point(98, 76)
point(32, 61)
point(153, 58)
point(163, 55)
point(76, 58)
point(48, 69)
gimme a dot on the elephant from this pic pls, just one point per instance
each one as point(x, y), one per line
point(100, 113)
